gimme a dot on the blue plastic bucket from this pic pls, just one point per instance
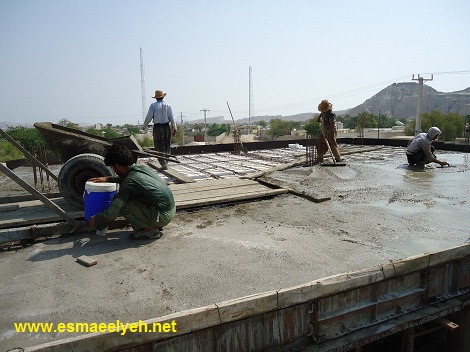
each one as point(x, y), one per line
point(98, 197)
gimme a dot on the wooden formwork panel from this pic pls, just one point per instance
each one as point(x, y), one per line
point(443, 281)
point(464, 274)
point(343, 312)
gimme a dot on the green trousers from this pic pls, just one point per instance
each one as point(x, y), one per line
point(141, 215)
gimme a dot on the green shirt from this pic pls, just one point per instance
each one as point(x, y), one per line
point(142, 184)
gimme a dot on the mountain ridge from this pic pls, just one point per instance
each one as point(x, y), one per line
point(398, 100)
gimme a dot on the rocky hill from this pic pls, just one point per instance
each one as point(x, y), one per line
point(400, 100)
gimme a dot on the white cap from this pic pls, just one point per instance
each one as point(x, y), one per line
point(100, 187)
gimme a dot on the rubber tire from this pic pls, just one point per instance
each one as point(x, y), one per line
point(76, 172)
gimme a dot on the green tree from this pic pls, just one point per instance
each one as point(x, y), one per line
point(29, 138)
point(348, 121)
point(105, 132)
point(366, 120)
point(279, 127)
point(386, 121)
point(68, 124)
point(410, 128)
point(199, 127)
point(9, 152)
point(178, 138)
point(216, 129)
point(133, 130)
point(262, 123)
point(145, 142)
point(451, 125)
point(312, 127)
point(94, 131)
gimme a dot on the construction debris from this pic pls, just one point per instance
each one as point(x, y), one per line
point(86, 260)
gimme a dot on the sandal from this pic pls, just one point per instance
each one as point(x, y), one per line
point(153, 234)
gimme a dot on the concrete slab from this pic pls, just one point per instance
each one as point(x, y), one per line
point(379, 211)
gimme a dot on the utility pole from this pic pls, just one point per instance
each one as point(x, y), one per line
point(205, 126)
point(378, 125)
point(142, 85)
point(182, 126)
point(250, 101)
point(421, 81)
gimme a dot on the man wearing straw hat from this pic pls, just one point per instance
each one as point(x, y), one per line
point(328, 124)
point(162, 115)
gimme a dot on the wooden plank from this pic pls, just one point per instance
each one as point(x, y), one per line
point(210, 184)
point(450, 325)
point(244, 307)
point(172, 173)
point(52, 229)
point(281, 167)
point(454, 253)
point(26, 197)
point(220, 192)
point(312, 197)
point(393, 325)
point(8, 207)
point(227, 199)
point(34, 213)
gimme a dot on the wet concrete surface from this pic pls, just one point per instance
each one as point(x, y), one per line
point(379, 210)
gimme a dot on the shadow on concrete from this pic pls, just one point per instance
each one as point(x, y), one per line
point(87, 244)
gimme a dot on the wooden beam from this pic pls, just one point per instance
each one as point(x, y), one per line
point(52, 229)
point(38, 195)
point(447, 324)
point(220, 199)
point(281, 167)
point(28, 155)
point(314, 198)
point(8, 207)
point(172, 173)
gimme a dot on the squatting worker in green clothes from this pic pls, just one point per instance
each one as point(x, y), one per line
point(144, 199)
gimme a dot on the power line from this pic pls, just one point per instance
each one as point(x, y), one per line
point(343, 95)
point(449, 73)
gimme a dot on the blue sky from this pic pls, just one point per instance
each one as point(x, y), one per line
point(80, 60)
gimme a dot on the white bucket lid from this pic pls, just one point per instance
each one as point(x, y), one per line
point(100, 187)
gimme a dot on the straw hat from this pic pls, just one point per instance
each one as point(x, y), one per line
point(159, 94)
point(325, 106)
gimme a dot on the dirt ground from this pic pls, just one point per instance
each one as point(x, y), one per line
point(379, 210)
